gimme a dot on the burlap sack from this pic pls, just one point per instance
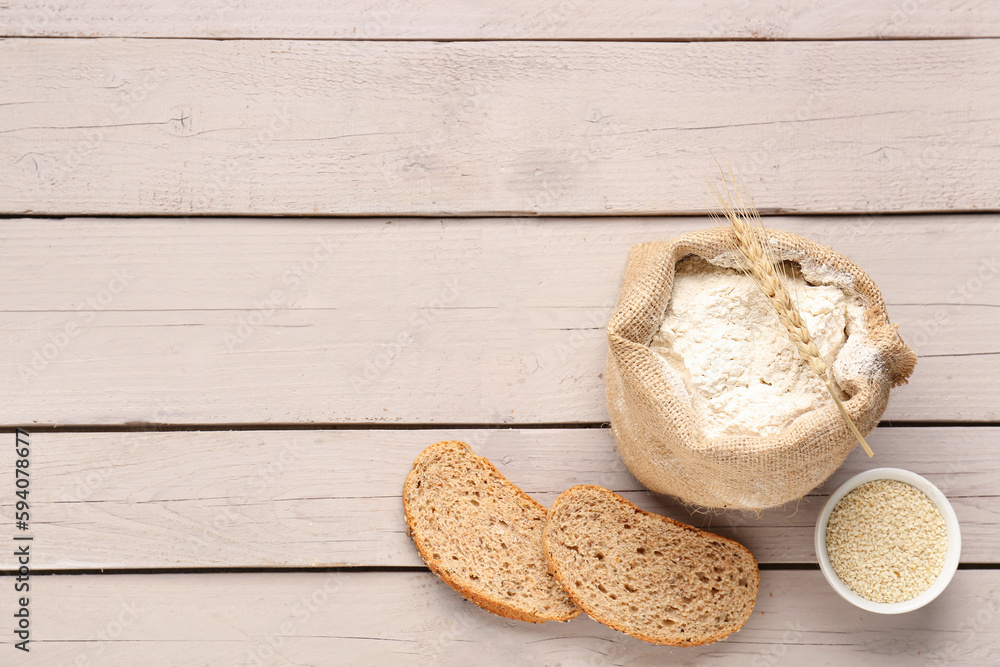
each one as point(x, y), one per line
point(657, 433)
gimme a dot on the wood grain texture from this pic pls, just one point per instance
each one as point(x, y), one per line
point(180, 127)
point(380, 618)
point(490, 19)
point(448, 322)
point(333, 498)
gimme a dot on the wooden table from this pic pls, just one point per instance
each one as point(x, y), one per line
point(256, 256)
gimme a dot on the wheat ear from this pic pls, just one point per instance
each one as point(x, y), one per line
point(758, 261)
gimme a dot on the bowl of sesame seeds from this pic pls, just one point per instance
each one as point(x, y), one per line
point(888, 541)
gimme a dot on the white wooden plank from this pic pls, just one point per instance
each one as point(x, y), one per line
point(491, 19)
point(307, 498)
point(430, 128)
point(379, 618)
point(449, 322)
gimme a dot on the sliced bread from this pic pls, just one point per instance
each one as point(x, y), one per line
point(646, 575)
point(482, 535)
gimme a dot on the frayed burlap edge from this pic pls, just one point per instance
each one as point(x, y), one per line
point(657, 434)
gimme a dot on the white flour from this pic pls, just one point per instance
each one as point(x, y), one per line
point(738, 369)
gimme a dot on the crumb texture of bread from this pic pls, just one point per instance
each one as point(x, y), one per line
point(482, 534)
point(646, 575)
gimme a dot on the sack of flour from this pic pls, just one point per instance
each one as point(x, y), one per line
point(709, 400)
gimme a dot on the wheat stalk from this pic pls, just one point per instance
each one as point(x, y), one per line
point(758, 261)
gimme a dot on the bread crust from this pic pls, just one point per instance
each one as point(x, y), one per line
point(563, 576)
point(479, 597)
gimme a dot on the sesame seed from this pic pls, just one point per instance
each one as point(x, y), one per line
point(887, 541)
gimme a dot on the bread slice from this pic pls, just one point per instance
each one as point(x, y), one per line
point(482, 535)
point(646, 575)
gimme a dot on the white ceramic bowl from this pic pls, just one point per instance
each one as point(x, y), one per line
point(950, 560)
